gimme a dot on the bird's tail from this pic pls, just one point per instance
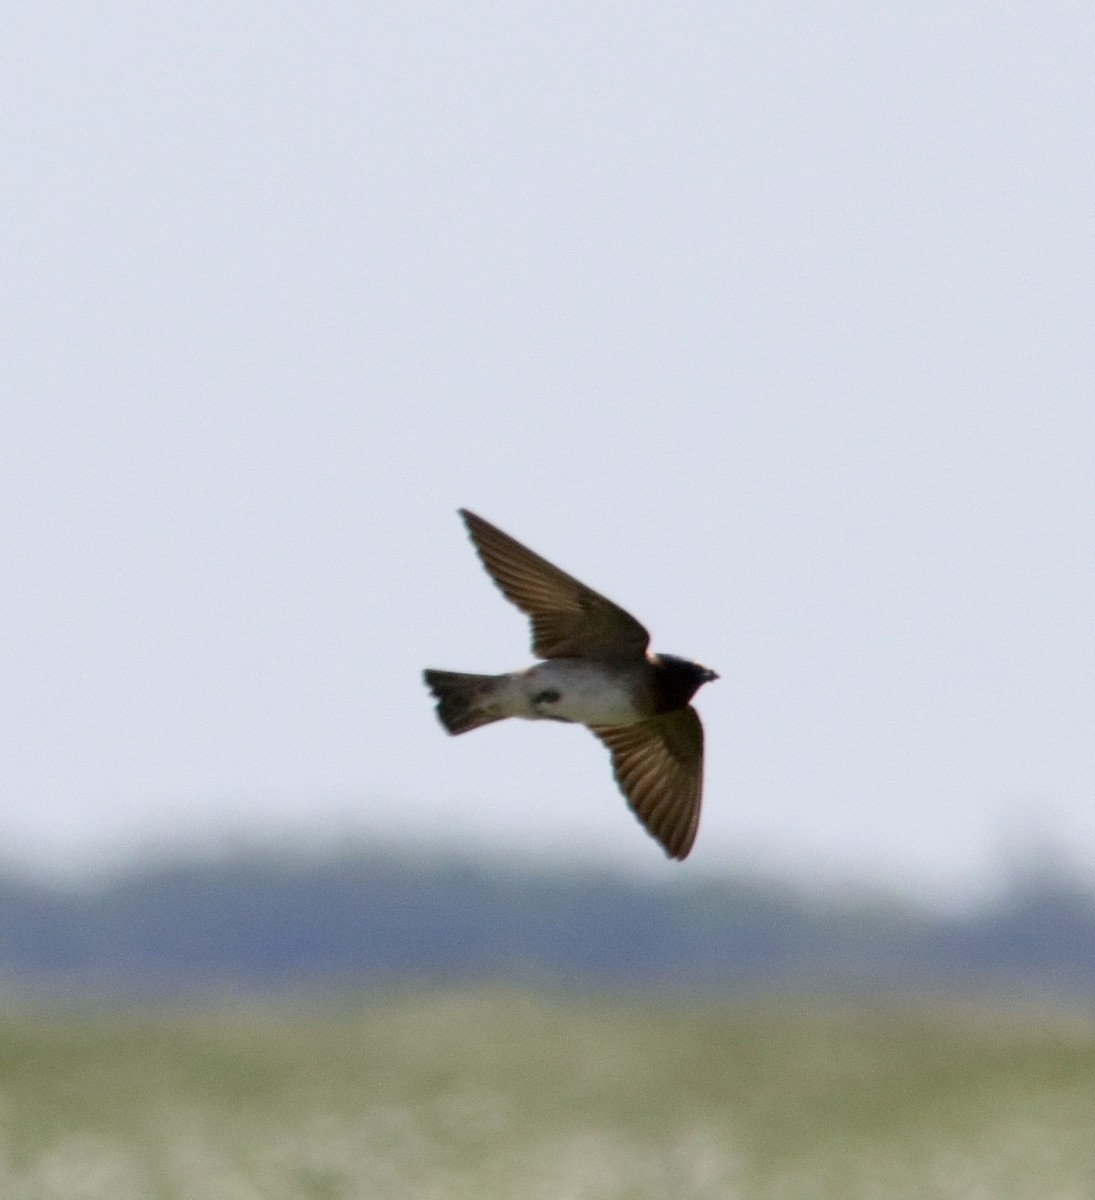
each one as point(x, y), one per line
point(466, 701)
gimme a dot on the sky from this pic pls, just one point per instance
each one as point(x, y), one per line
point(771, 321)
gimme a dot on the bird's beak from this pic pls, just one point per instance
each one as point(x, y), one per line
point(710, 676)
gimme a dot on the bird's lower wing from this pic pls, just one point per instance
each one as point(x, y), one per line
point(658, 764)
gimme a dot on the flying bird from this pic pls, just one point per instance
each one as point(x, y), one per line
point(597, 672)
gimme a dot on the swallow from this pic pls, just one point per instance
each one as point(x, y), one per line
point(595, 671)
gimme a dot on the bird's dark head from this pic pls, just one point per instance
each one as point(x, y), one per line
point(677, 680)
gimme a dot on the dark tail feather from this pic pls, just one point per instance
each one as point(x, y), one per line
point(464, 701)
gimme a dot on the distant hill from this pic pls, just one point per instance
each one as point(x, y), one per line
point(268, 922)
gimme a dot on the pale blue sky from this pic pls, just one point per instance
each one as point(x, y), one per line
point(772, 321)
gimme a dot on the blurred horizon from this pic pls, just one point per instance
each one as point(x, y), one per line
point(1023, 865)
point(1014, 861)
point(261, 921)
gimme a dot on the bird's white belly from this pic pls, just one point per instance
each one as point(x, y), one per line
point(573, 689)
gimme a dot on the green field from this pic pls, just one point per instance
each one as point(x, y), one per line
point(499, 1094)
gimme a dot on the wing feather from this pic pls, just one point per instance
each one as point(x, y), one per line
point(658, 765)
point(569, 620)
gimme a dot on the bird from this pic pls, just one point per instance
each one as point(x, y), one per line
point(595, 670)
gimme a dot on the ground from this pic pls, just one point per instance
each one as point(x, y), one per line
point(484, 1094)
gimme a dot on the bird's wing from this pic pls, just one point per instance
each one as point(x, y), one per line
point(569, 620)
point(659, 766)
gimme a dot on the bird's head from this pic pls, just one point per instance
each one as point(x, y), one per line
point(679, 679)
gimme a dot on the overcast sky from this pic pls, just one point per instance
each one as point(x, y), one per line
point(774, 322)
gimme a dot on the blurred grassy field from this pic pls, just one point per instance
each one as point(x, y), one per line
point(496, 1094)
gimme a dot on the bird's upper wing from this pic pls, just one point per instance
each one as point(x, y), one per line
point(569, 620)
point(659, 766)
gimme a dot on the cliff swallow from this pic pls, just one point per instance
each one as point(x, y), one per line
point(598, 673)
